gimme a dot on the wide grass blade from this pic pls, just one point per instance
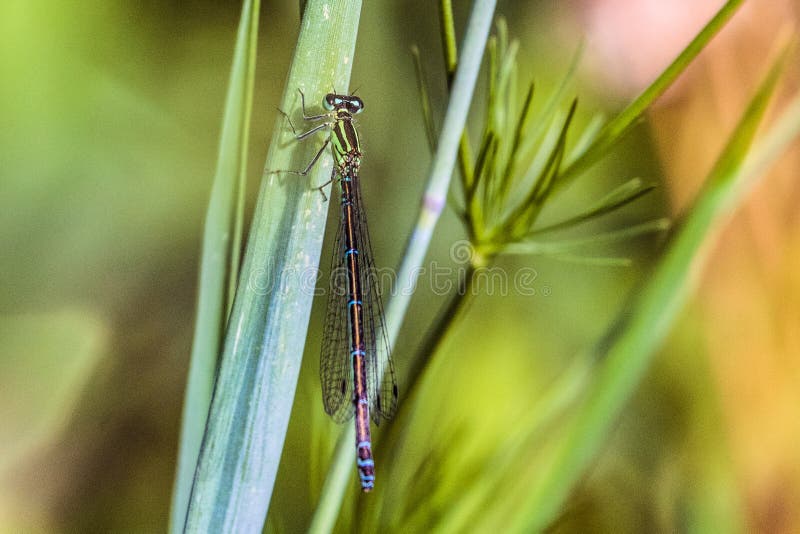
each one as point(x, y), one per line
point(219, 264)
point(266, 331)
point(625, 354)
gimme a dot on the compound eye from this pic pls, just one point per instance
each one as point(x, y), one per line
point(329, 102)
point(356, 105)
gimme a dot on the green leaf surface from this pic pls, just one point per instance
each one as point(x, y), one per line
point(266, 331)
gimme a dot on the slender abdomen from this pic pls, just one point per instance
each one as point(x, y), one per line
point(364, 461)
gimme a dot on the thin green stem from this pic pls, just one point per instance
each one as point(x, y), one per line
point(327, 510)
point(619, 197)
point(425, 100)
point(448, 33)
point(450, 49)
point(431, 207)
point(433, 200)
point(544, 413)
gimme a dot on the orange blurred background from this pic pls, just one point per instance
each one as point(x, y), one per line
point(749, 297)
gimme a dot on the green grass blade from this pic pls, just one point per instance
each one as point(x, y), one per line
point(219, 264)
point(511, 161)
point(438, 184)
point(267, 328)
point(332, 494)
point(519, 221)
point(470, 503)
point(588, 135)
point(425, 99)
point(618, 126)
point(430, 209)
point(541, 127)
point(564, 246)
point(543, 185)
point(623, 357)
point(448, 33)
point(482, 173)
point(620, 196)
point(557, 97)
point(238, 225)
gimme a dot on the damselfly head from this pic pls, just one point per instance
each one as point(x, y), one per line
point(352, 104)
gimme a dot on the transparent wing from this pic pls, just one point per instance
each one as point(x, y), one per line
point(381, 380)
point(335, 371)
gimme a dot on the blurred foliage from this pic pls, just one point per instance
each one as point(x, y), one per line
point(111, 114)
point(41, 385)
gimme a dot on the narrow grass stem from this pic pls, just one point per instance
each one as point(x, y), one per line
point(450, 49)
point(432, 204)
point(435, 194)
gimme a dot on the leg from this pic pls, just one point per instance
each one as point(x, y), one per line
point(304, 172)
point(310, 117)
point(321, 192)
point(303, 135)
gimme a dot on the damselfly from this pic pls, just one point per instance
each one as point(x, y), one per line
point(356, 368)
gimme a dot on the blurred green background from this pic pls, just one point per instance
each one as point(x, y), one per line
point(110, 114)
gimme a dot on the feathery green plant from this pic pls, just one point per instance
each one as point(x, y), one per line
point(523, 159)
point(525, 156)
